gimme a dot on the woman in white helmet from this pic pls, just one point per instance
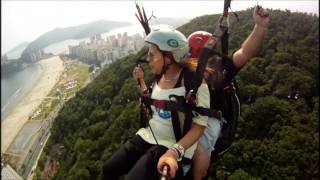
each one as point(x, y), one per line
point(145, 155)
point(249, 47)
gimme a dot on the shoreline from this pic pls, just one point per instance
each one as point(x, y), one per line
point(52, 68)
point(8, 108)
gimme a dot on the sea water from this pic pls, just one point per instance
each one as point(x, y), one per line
point(16, 85)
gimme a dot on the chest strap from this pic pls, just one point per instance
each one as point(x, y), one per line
point(178, 104)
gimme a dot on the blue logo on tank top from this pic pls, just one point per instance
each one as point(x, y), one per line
point(164, 114)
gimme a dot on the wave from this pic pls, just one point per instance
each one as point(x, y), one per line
point(12, 98)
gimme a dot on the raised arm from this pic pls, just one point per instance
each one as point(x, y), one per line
point(253, 42)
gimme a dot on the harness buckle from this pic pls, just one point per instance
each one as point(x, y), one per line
point(191, 97)
point(159, 104)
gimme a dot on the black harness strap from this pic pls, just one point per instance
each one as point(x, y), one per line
point(176, 125)
point(225, 43)
point(180, 106)
point(202, 64)
point(174, 114)
point(188, 78)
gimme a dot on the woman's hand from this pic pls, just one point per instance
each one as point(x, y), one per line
point(168, 159)
point(261, 16)
point(138, 73)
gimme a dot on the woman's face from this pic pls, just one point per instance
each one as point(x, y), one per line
point(155, 59)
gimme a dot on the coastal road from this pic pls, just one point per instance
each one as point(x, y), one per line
point(31, 158)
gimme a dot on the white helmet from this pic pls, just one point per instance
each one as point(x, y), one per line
point(170, 40)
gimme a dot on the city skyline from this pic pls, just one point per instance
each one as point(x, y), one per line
point(27, 20)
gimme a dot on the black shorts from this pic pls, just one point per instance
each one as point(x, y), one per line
point(136, 158)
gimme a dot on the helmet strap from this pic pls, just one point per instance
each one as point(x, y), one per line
point(165, 66)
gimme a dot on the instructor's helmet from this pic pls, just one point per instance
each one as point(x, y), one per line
point(196, 41)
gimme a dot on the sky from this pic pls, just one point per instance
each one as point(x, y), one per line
point(27, 20)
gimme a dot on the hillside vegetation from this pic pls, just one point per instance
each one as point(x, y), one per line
point(277, 136)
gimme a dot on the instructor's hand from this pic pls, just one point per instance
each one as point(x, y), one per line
point(261, 16)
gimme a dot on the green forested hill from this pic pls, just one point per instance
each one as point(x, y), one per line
point(277, 136)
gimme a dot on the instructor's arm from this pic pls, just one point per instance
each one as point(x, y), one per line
point(253, 42)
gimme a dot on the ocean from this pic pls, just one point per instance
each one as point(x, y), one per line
point(16, 85)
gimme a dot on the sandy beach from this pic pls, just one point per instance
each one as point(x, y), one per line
point(14, 121)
